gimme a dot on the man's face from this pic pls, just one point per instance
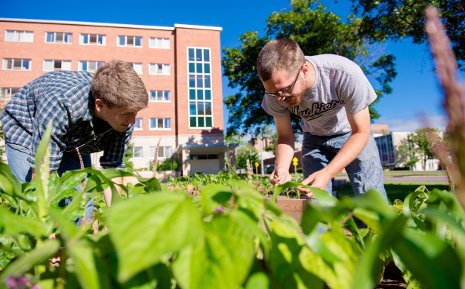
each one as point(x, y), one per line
point(119, 118)
point(285, 87)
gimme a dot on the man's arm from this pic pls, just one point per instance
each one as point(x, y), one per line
point(360, 124)
point(284, 150)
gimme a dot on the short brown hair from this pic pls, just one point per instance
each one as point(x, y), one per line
point(117, 84)
point(280, 54)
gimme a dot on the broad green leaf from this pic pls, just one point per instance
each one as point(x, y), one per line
point(86, 270)
point(67, 185)
point(258, 280)
point(146, 228)
point(220, 260)
point(213, 196)
point(42, 253)
point(42, 172)
point(11, 224)
point(158, 277)
point(365, 274)
point(432, 261)
point(285, 262)
point(8, 182)
point(456, 228)
point(67, 229)
point(372, 200)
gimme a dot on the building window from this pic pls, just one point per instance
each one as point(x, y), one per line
point(159, 69)
point(200, 93)
point(159, 96)
point(92, 39)
point(51, 65)
point(90, 66)
point(137, 152)
point(160, 123)
point(16, 64)
point(7, 92)
point(59, 37)
point(163, 151)
point(158, 42)
point(130, 41)
point(18, 36)
point(204, 157)
point(137, 67)
point(138, 124)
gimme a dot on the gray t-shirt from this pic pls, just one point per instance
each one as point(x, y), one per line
point(340, 87)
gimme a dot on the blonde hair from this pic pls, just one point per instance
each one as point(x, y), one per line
point(117, 84)
point(280, 54)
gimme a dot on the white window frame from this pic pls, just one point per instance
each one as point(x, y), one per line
point(15, 61)
point(159, 95)
point(7, 92)
point(67, 37)
point(200, 81)
point(19, 36)
point(139, 124)
point(97, 64)
point(165, 151)
point(166, 123)
point(159, 69)
point(138, 67)
point(89, 35)
point(129, 41)
point(64, 64)
point(159, 42)
point(141, 148)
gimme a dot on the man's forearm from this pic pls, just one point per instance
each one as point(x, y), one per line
point(284, 154)
point(349, 151)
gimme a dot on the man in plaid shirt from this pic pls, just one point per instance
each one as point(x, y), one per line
point(89, 114)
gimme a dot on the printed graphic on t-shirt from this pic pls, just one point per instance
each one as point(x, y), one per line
point(316, 110)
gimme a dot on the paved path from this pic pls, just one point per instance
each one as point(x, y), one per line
point(413, 179)
point(416, 179)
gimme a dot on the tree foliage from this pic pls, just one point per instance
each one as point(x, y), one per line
point(396, 19)
point(318, 31)
point(406, 154)
point(246, 152)
point(415, 148)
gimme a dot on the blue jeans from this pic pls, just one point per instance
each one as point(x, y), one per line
point(365, 172)
point(20, 167)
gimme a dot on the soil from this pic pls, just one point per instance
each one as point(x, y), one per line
point(392, 278)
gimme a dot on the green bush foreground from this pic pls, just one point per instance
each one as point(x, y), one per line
point(227, 236)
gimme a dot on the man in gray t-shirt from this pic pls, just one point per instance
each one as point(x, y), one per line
point(331, 95)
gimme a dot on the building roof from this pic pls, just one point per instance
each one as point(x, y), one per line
point(82, 23)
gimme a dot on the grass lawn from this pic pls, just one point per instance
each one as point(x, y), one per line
point(395, 191)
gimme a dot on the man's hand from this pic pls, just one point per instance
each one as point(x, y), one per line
point(280, 176)
point(318, 179)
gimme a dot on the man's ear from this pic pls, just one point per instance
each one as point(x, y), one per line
point(98, 104)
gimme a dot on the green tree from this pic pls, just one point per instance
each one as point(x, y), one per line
point(317, 31)
point(396, 19)
point(168, 164)
point(406, 154)
point(246, 152)
point(420, 141)
point(415, 148)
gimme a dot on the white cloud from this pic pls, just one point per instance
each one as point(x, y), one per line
point(414, 123)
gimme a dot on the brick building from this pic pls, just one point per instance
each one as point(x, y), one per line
point(180, 66)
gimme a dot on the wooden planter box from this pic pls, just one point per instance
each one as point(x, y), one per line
point(292, 207)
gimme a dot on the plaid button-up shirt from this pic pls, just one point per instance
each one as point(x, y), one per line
point(63, 97)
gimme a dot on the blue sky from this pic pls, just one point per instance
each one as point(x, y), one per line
point(416, 91)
